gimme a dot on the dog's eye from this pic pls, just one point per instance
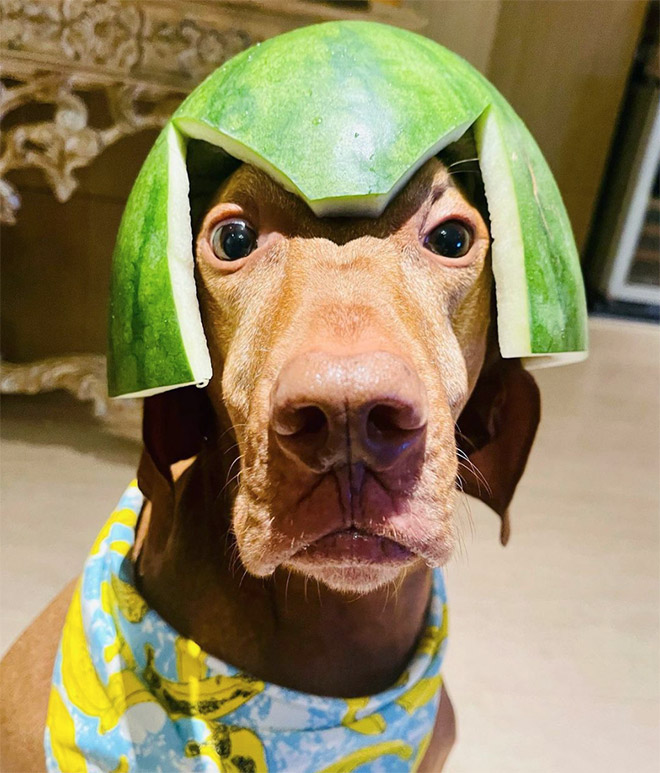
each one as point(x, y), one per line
point(233, 240)
point(451, 239)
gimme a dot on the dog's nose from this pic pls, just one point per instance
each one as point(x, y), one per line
point(328, 410)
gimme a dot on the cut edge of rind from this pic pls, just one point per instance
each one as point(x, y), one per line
point(513, 312)
point(539, 360)
point(159, 390)
point(363, 205)
point(180, 261)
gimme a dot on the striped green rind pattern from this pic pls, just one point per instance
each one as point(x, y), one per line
point(555, 289)
point(146, 351)
point(343, 110)
point(343, 114)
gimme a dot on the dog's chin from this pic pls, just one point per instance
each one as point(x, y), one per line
point(350, 578)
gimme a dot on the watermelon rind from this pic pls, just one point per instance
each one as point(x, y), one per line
point(507, 239)
point(370, 204)
point(156, 338)
point(181, 262)
point(342, 114)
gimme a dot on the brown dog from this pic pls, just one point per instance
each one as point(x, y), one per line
point(325, 448)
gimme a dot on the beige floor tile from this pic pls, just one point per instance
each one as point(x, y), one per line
point(60, 476)
point(553, 661)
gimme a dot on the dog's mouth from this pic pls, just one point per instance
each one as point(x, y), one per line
point(352, 545)
point(339, 535)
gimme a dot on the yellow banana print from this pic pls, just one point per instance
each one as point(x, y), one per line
point(369, 754)
point(208, 698)
point(110, 604)
point(123, 766)
point(132, 606)
point(126, 516)
point(63, 736)
point(190, 660)
point(192, 694)
point(81, 682)
point(374, 724)
point(421, 693)
point(434, 635)
point(233, 749)
point(120, 546)
point(83, 686)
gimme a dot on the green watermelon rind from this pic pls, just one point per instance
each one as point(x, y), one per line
point(366, 205)
point(156, 339)
point(156, 335)
point(511, 290)
point(181, 263)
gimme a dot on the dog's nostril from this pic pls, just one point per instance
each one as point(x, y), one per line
point(390, 431)
point(310, 420)
point(303, 433)
point(382, 422)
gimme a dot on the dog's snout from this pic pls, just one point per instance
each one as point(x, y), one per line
point(329, 410)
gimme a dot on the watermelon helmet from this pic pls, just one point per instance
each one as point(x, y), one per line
point(342, 114)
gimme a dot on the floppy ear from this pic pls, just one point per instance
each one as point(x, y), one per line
point(495, 433)
point(175, 424)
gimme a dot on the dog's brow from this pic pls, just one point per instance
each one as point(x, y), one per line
point(438, 189)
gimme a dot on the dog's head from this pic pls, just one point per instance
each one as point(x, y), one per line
point(357, 374)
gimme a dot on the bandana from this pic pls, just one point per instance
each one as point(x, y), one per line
point(129, 693)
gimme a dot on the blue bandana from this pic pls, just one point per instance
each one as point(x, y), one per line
point(129, 693)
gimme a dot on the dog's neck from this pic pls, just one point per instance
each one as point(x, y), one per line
point(283, 629)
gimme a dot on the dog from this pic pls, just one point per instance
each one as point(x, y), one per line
point(293, 507)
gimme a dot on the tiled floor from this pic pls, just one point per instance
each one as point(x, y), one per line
point(554, 656)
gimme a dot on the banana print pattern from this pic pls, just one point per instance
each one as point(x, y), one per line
point(130, 694)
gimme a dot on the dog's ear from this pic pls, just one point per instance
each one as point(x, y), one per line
point(175, 425)
point(495, 433)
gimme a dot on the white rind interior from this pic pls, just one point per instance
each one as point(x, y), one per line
point(507, 249)
point(158, 390)
point(181, 261)
point(539, 360)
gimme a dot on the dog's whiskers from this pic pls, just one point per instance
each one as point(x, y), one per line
point(463, 512)
point(231, 466)
point(466, 171)
point(387, 598)
point(462, 161)
point(286, 588)
point(235, 559)
point(228, 480)
point(397, 585)
point(232, 427)
point(470, 465)
point(240, 583)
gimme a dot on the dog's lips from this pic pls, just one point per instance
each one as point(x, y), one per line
point(352, 545)
point(321, 522)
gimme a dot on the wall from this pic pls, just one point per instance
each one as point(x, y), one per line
point(56, 259)
point(564, 67)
